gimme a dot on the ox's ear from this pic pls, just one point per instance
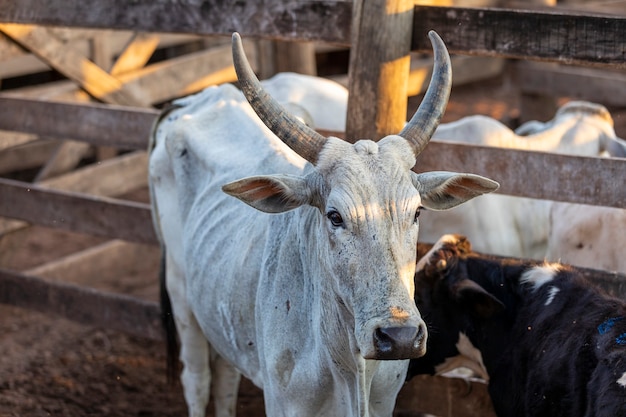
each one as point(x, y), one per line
point(270, 193)
point(441, 190)
point(476, 299)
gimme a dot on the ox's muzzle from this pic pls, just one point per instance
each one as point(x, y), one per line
point(399, 342)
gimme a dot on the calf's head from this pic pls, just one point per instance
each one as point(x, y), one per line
point(368, 201)
point(452, 302)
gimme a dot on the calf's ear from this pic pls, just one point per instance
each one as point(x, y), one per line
point(476, 299)
point(442, 190)
point(270, 193)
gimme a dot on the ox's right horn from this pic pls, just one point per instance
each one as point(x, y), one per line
point(305, 141)
point(422, 125)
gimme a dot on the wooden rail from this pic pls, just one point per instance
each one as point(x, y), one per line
point(536, 35)
point(98, 124)
point(547, 35)
point(81, 304)
point(84, 213)
point(564, 178)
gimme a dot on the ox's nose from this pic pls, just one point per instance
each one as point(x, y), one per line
point(401, 342)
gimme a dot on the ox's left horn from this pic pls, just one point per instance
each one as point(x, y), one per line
point(305, 141)
point(422, 125)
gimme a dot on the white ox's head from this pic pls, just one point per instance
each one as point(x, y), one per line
point(369, 201)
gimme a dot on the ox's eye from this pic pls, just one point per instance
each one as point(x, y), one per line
point(417, 214)
point(335, 218)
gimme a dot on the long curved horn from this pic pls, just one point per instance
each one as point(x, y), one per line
point(422, 125)
point(305, 141)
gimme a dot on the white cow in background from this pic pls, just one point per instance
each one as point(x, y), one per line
point(318, 102)
point(513, 226)
point(314, 302)
point(588, 236)
point(583, 235)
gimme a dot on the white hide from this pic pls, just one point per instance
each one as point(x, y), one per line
point(325, 101)
point(288, 299)
point(513, 226)
point(588, 236)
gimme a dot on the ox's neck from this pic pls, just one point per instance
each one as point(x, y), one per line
point(324, 322)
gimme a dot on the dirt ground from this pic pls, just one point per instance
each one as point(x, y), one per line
point(54, 367)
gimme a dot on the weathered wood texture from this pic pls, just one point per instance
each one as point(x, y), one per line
point(98, 216)
point(545, 35)
point(270, 18)
point(573, 39)
point(81, 304)
point(582, 180)
point(573, 179)
point(98, 124)
point(593, 84)
point(100, 264)
point(110, 178)
point(73, 65)
point(379, 68)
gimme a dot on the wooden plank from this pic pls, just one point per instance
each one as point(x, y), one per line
point(612, 282)
point(73, 65)
point(12, 139)
point(83, 305)
point(99, 264)
point(20, 65)
point(17, 61)
point(465, 70)
point(572, 39)
point(593, 84)
point(574, 179)
point(187, 74)
point(507, 33)
point(113, 177)
point(442, 396)
point(98, 216)
point(379, 68)
point(563, 178)
point(30, 155)
point(136, 54)
point(88, 122)
point(63, 90)
point(65, 158)
point(278, 20)
point(110, 178)
point(296, 57)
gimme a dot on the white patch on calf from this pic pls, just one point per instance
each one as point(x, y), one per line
point(469, 357)
point(540, 275)
point(551, 294)
point(622, 380)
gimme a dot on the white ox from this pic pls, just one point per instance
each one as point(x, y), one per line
point(588, 236)
point(313, 303)
point(513, 226)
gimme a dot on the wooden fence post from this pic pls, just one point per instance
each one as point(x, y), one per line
point(379, 67)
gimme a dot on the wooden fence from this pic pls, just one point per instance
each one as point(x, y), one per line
point(125, 120)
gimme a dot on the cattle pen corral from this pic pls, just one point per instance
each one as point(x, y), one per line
point(98, 212)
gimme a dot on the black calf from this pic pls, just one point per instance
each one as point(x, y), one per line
point(552, 343)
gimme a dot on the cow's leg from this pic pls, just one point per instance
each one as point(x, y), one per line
point(224, 386)
point(194, 349)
